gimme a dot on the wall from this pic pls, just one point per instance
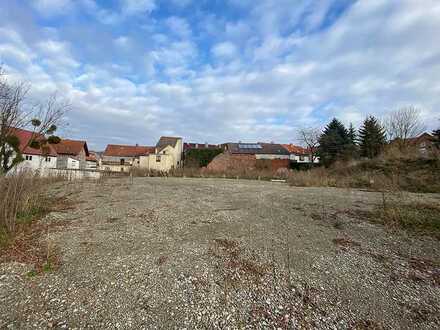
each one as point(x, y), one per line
point(306, 159)
point(150, 162)
point(227, 161)
point(37, 162)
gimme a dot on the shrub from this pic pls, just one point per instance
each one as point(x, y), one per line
point(21, 200)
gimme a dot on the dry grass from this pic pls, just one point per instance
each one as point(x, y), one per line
point(382, 174)
point(414, 217)
point(23, 202)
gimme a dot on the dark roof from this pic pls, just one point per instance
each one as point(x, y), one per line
point(256, 148)
point(71, 147)
point(25, 137)
point(189, 146)
point(165, 141)
point(115, 150)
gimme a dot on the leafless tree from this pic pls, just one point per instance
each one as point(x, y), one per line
point(42, 119)
point(309, 137)
point(403, 124)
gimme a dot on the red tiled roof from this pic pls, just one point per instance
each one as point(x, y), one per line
point(71, 147)
point(114, 150)
point(293, 149)
point(25, 137)
point(91, 157)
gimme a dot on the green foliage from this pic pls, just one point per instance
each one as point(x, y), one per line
point(352, 136)
point(51, 129)
point(200, 157)
point(35, 144)
point(53, 139)
point(334, 143)
point(35, 122)
point(372, 138)
point(436, 135)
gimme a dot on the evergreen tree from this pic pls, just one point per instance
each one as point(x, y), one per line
point(372, 137)
point(436, 135)
point(352, 148)
point(352, 134)
point(333, 143)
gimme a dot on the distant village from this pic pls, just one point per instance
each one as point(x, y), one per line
point(168, 153)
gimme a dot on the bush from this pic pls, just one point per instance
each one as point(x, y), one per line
point(415, 175)
point(200, 157)
point(21, 201)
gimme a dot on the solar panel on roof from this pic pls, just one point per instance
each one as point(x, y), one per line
point(249, 146)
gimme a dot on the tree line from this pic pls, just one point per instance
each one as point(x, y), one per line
point(339, 143)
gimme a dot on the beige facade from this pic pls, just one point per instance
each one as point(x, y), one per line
point(166, 155)
point(165, 158)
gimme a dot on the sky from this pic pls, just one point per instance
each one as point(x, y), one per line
point(222, 70)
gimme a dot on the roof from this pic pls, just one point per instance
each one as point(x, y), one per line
point(114, 150)
point(71, 147)
point(25, 137)
point(189, 146)
point(256, 148)
point(421, 138)
point(91, 157)
point(297, 150)
point(165, 141)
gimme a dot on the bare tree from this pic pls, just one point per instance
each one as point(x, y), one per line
point(403, 124)
point(309, 137)
point(41, 119)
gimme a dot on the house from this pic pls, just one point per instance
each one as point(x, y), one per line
point(92, 161)
point(168, 154)
point(300, 155)
point(242, 156)
point(71, 154)
point(121, 158)
point(423, 143)
point(34, 158)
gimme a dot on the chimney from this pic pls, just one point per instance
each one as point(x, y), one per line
point(137, 145)
point(197, 146)
point(206, 145)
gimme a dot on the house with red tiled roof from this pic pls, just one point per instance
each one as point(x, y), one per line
point(299, 154)
point(71, 154)
point(121, 158)
point(92, 161)
point(166, 155)
point(34, 158)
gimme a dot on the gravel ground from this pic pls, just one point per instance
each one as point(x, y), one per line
point(208, 253)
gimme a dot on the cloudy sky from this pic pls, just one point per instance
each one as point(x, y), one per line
point(222, 70)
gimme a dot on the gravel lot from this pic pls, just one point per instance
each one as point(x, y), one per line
point(211, 253)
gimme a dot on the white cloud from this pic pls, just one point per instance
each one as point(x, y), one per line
point(224, 50)
point(259, 80)
point(53, 7)
point(137, 7)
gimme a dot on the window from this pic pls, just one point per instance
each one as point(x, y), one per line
point(301, 158)
point(122, 161)
point(157, 159)
point(122, 169)
point(28, 157)
point(47, 159)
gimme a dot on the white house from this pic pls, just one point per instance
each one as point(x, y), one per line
point(299, 154)
point(71, 154)
point(34, 158)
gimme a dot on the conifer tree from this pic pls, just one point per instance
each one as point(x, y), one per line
point(372, 137)
point(333, 143)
